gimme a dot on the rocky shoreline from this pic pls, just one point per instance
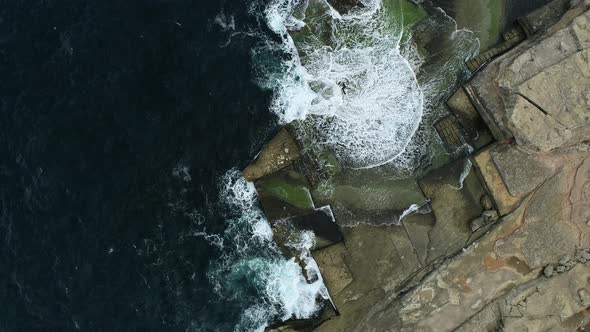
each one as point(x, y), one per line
point(496, 239)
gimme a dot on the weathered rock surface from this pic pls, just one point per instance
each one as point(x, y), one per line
point(540, 91)
point(525, 203)
point(540, 232)
point(278, 154)
point(495, 241)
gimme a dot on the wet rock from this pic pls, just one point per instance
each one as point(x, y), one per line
point(284, 194)
point(287, 232)
point(494, 284)
point(548, 271)
point(454, 204)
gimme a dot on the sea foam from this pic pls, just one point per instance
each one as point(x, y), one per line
point(253, 268)
point(358, 89)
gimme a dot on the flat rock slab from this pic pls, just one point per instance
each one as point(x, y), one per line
point(455, 193)
point(418, 227)
point(374, 258)
point(380, 256)
point(561, 90)
point(522, 172)
point(494, 182)
point(334, 270)
point(277, 154)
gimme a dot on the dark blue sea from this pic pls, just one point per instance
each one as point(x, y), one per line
point(122, 127)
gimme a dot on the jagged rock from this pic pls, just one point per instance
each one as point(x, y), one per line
point(490, 215)
point(584, 296)
point(548, 271)
point(477, 223)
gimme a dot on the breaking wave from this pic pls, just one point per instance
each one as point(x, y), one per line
point(353, 78)
point(347, 75)
point(253, 268)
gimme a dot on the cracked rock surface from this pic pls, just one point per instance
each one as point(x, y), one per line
point(547, 88)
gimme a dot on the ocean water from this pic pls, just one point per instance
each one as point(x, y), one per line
point(120, 124)
point(123, 127)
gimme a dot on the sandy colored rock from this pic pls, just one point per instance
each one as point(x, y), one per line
point(522, 172)
point(553, 108)
point(512, 255)
point(278, 154)
point(581, 30)
point(334, 270)
point(539, 91)
point(494, 182)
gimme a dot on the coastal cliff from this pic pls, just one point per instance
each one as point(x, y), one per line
point(496, 238)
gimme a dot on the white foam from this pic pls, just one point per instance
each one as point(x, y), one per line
point(411, 209)
point(252, 257)
point(372, 119)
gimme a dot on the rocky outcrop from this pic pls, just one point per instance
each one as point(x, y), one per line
point(281, 152)
point(498, 283)
point(520, 219)
point(497, 239)
point(539, 92)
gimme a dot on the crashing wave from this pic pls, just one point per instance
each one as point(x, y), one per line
point(252, 262)
point(357, 88)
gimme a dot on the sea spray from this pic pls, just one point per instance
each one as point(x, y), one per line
point(253, 268)
point(356, 88)
point(368, 88)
